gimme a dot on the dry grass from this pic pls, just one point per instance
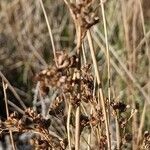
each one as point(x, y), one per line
point(75, 74)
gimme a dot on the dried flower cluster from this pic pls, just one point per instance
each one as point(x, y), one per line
point(84, 15)
point(66, 80)
point(33, 122)
point(146, 140)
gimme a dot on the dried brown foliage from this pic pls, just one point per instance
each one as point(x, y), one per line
point(70, 84)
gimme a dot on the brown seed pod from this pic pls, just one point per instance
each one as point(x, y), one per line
point(119, 106)
point(84, 15)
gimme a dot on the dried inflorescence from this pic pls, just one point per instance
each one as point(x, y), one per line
point(33, 122)
point(57, 75)
point(97, 118)
point(64, 60)
point(121, 107)
point(66, 80)
point(38, 143)
point(58, 107)
point(103, 142)
point(29, 120)
point(146, 140)
point(84, 15)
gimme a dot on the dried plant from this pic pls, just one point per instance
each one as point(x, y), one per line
point(80, 101)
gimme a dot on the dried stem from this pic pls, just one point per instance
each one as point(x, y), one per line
point(118, 133)
point(77, 120)
point(16, 107)
point(7, 113)
point(13, 90)
point(83, 52)
point(68, 125)
point(77, 129)
point(50, 32)
point(142, 120)
point(100, 87)
point(107, 53)
point(36, 95)
point(147, 45)
point(78, 52)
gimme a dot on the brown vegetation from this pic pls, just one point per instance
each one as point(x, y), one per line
point(89, 88)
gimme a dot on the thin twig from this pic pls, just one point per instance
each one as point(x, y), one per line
point(107, 53)
point(50, 32)
point(36, 95)
point(83, 53)
point(68, 126)
point(36, 54)
point(77, 129)
point(13, 90)
point(118, 138)
point(7, 113)
point(16, 107)
point(147, 46)
point(142, 120)
point(100, 87)
point(77, 120)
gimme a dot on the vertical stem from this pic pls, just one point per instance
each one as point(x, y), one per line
point(83, 52)
point(78, 52)
point(13, 91)
point(36, 95)
point(118, 133)
point(147, 47)
point(7, 113)
point(148, 73)
point(77, 117)
point(141, 124)
point(50, 32)
point(77, 132)
point(68, 125)
point(107, 48)
point(100, 88)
